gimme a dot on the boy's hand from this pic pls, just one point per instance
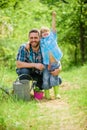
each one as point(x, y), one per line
point(55, 72)
point(53, 13)
point(28, 46)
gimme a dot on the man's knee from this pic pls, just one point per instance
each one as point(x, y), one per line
point(23, 73)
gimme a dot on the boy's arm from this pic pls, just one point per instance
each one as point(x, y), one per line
point(54, 21)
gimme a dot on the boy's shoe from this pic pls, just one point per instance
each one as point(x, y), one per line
point(47, 94)
point(58, 96)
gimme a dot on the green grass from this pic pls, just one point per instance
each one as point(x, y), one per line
point(14, 115)
point(70, 111)
point(77, 80)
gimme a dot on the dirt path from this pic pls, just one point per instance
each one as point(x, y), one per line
point(60, 113)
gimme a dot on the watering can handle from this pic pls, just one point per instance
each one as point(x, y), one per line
point(33, 82)
point(23, 75)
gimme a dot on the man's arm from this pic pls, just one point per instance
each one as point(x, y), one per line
point(54, 21)
point(21, 64)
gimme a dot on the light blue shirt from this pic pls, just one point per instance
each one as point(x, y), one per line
point(49, 44)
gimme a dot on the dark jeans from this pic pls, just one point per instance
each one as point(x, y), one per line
point(25, 73)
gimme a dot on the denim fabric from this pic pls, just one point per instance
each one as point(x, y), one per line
point(48, 79)
point(54, 66)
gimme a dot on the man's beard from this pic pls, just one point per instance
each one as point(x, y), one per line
point(35, 46)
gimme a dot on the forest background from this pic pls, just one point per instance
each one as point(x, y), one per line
point(18, 17)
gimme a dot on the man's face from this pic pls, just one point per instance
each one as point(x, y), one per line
point(34, 39)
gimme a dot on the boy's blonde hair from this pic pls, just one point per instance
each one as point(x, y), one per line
point(43, 29)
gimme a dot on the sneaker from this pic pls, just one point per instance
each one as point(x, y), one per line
point(58, 96)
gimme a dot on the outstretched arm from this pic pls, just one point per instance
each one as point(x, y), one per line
point(54, 21)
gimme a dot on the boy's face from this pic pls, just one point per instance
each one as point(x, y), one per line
point(45, 33)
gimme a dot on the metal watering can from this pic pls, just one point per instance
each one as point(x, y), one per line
point(22, 88)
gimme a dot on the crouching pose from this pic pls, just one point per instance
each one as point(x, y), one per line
point(30, 62)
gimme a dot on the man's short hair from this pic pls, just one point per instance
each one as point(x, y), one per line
point(34, 31)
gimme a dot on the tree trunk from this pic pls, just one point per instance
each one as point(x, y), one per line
point(82, 40)
point(76, 54)
point(82, 43)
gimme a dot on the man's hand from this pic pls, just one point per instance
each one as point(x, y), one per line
point(39, 66)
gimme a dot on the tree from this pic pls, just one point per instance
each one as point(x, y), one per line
point(72, 26)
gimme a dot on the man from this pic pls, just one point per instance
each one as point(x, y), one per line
point(29, 59)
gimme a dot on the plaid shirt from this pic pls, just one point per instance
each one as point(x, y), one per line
point(29, 56)
point(49, 44)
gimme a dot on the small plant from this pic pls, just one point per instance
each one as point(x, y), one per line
point(37, 89)
point(38, 93)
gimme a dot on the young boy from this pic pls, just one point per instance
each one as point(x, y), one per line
point(51, 57)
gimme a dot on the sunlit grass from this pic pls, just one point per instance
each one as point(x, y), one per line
point(32, 115)
point(15, 114)
point(76, 79)
point(7, 77)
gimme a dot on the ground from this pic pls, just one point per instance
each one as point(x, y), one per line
point(61, 114)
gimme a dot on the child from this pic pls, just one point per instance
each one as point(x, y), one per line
point(51, 58)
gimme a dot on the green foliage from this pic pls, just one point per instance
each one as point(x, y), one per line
point(8, 54)
point(36, 89)
point(8, 3)
point(16, 21)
